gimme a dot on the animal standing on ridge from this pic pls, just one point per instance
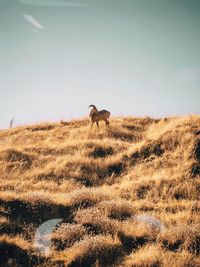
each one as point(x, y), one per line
point(96, 116)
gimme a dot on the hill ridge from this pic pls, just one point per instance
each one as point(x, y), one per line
point(99, 182)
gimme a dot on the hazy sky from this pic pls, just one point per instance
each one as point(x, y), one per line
point(133, 57)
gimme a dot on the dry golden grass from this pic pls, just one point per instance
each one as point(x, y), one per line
point(127, 195)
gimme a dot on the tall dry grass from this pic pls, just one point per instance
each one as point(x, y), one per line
point(100, 183)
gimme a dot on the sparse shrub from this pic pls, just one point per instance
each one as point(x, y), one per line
point(101, 152)
point(195, 170)
point(96, 222)
point(115, 168)
point(197, 150)
point(122, 135)
point(67, 235)
point(142, 190)
point(86, 197)
point(146, 151)
point(147, 256)
point(42, 128)
point(16, 159)
point(104, 249)
point(117, 209)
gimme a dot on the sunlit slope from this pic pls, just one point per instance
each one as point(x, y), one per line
point(102, 183)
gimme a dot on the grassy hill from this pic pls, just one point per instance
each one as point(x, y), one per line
point(127, 196)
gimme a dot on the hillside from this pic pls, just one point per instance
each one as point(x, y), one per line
point(124, 196)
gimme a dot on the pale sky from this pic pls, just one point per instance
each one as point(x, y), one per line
point(132, 57)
